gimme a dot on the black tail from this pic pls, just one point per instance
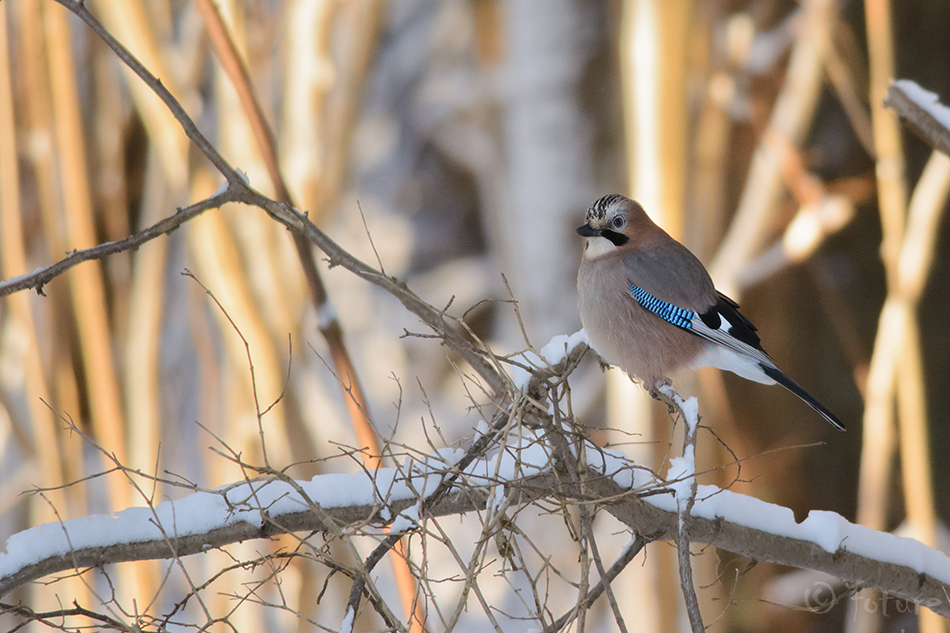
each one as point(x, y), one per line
point(776, 374)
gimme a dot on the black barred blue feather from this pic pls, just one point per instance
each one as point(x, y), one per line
point(670, 313)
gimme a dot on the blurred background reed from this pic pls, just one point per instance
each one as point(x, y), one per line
point(467, 138)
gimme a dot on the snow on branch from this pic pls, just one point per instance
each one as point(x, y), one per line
point(824, 541)
point(922, 112)
point(521, 456)
point(730, 521)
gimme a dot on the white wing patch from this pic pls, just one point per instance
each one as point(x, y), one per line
point(725, 325)
point(722, 336)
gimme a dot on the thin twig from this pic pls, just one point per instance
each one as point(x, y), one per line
point(685, 497)
point(619, 565)
point(42, 276)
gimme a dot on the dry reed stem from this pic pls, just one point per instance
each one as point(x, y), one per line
point(44, 443)
point(361, 18)
point(889, 159)
point(87, 286)
point(353, 394)
point(308, 78)
point(842, 78)
point(131, 23)
point(791, 119)
point(819, 216)
point(237, 72)
point(640, 48)
point(218, 264)
point(144, 330)
point(896, 325)
point(879, 432)
point(878, 420)
point(707, 189)
point(878, 437)
point(926, 210)
point(109, 127)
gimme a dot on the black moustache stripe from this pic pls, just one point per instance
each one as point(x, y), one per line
point(618, 239)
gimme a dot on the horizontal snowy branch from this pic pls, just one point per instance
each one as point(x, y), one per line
point(207, 520)
point(825, 541)
point(737, 523)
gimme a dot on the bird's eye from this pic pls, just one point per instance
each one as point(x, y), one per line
point(618, 222)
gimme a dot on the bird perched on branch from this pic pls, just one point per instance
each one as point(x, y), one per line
point(650, 307)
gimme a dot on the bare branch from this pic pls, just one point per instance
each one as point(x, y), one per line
point(188, 125)
point(685, 470)
point(42, 276)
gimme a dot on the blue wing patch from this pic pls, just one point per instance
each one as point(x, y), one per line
point(680, 317)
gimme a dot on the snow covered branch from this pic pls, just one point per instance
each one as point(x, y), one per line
point(207, 520)
point(824, 541)
point(922, 112)
point(522, 469)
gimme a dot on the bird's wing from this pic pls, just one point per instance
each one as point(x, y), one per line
point(669, 281)
point(672, 274)
point(721, 324)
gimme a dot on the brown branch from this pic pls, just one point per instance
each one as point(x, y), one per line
point(353, 395)
point(47, 616)
point(42, 276)
point(652, 522)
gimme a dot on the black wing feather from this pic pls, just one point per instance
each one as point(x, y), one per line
point(742, 328)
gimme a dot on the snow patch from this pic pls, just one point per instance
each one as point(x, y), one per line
point(557, 349)
point(407, 520)
point(347, 625)
point(925, 100)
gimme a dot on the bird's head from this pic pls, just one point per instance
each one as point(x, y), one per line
point(610, 223)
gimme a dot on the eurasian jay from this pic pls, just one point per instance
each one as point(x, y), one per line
point(649, 306)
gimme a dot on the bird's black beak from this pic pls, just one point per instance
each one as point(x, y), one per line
point(587, 230)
